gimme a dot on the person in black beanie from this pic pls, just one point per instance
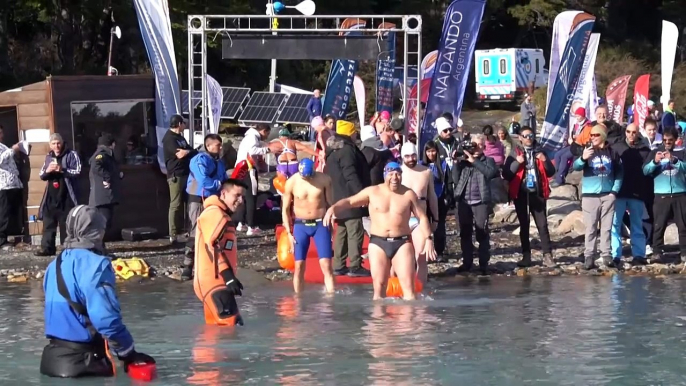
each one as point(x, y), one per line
point(104, 179)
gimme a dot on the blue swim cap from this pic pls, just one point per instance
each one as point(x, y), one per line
point(306, 167)
point(392, 167)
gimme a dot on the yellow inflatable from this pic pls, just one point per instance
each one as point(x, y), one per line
point(128, 268)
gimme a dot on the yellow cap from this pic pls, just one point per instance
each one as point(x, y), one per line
point(345, 128)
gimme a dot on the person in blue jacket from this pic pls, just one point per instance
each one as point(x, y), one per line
point(208, 172)
point(81, 306)
point(600, 184)
point(667, 167)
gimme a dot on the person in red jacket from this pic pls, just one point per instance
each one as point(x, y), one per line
point(528, 169)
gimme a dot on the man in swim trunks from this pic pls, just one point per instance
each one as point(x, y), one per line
point(390, 207)
point(287, 162)
point(420, 179)
point(308, 194)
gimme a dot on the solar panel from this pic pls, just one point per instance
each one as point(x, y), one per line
point(262, 107)
point(233, 99)
point(295, 110)
point(184, 100)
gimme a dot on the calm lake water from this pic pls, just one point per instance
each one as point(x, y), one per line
point(543, 331)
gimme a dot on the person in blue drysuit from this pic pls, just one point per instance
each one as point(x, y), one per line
point(81, 305)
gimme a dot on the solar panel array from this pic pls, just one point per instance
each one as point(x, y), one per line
point(295, 110)
point(184, 100)
point(262, 107)
point(233, 99)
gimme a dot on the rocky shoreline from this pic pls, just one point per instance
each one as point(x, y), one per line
point(258, 254)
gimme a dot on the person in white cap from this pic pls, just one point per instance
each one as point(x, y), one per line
point(420, 179)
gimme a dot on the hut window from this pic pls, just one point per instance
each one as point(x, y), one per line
point(126, 121)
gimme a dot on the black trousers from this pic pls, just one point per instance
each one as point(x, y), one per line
point(666, 208)
point(108, 212)
point(532, 203)
point(10, 205)
point(65, 359)
point(439, 234)
point(648, 225)
point(246, 212)
point(474, 217)
point(52, 219)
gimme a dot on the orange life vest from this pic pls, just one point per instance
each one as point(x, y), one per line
point(215, 251)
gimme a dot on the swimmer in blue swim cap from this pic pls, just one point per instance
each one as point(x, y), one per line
point(314, 194)
point(390, 238)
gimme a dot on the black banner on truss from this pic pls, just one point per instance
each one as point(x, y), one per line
point(301, 47)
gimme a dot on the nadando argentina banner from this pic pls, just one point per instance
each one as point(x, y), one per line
point(556, 125)
point(339, 86)
point(455, 52)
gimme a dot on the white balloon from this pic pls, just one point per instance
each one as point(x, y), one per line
point(307, 7)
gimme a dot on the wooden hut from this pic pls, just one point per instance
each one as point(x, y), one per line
point(80, 108)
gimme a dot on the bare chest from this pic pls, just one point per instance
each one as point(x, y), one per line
point(417, 181)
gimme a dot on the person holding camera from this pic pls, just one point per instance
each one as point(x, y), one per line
point(600, 184)
point(528, 170)
point(528, 114)
point(473, 172)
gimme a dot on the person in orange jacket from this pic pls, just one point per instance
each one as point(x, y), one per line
point(215, 281)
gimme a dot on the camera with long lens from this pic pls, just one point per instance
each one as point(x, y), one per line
point(465, 145)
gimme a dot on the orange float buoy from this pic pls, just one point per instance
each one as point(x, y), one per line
point(280, 182)
point(394, 290)
point(283, 252)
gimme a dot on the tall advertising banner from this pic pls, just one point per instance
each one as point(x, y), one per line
point(360, 97)
point(415, 116)
point(215, 96)
point(556, 124)
point(385, 69)
point(615, 97)
point(670, 35)
point(561, 30)
point(455, 53)
point(428, 64)
point(155, 26)
point(641, 90)
point(585, 91)
point(339, 86)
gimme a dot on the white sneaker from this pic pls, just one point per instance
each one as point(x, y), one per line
point(239, 227)
point(253, 231)
point(649, 250)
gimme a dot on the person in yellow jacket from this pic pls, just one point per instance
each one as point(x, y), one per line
point(215, 281)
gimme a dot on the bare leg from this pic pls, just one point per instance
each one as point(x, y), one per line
point(422, 267)
point(403, 264)
point(299, 276)
point(327, 270)
point(379, 267)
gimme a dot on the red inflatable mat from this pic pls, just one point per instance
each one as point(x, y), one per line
point(313, 274)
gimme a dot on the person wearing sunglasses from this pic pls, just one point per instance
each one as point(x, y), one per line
point(527, 170)
point(666, 166)
point(633, 152)
point(600, 184)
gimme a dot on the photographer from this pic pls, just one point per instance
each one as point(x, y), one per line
point(472, 172)
point(528, 113)
point(528, 171)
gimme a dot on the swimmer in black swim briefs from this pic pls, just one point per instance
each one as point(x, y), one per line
point(390, 245)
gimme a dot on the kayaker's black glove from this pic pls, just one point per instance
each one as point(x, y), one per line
point(135, 357)
point(232, 283)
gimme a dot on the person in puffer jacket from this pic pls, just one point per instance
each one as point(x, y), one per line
point(667, 168)
point(375, 149)
point(494, 148)
point(601, 181)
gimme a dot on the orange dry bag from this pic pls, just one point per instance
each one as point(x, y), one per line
point(280, 183)
point(394, 290)
point(283, 252)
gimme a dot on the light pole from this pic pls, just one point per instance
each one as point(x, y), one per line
point(306, 7)
point(115, 31)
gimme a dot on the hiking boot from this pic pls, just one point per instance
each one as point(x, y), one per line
point(45, 253)
point(525, 261)
point(618, 263)
point(589, 263)
point(340, 272)
point(639, 261)
point(483, 270)
point(464, 268)
point(359, 272)
point(656, 257)
point(608, 262)
point(548, 260)
point(187, 273)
